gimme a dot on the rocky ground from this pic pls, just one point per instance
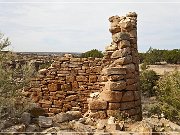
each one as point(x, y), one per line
point(74, 123)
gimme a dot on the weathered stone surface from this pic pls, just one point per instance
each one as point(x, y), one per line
point(115, 86)
point(120, 36)
point(97, 105)
point(53, 87)
point(114, 113)
point(92, 78)
point(123, 44)
point(25, 118)
point(81, 78)
point(123, 61)
point(116, 77)
point(113, 71)
point(111, 96)
point(45, 122)
point(98, 115)
point(101, 124)
point(128, 96)
point(127, 105)
point(111, 47)
point(132, 86)
point(114, 106)
point(79, 127)
point(130, 81)
point(68, 116)
point(137, 95)
point(121, 53)
point(112, 127)
point(133, 33)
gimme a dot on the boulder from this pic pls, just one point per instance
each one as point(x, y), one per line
point(32, 128)
point(79, 127)
point(25, 118)
point(68, 116)
point(45, 122)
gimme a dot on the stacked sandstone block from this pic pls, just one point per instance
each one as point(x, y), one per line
point(67, 84)
point(120, 95)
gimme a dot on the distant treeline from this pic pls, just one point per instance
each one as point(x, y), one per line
point(156, 56)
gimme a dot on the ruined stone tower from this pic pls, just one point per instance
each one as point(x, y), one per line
point(119, 95)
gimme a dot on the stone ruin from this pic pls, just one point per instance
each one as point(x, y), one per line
point(120, 96)
point(111, 81)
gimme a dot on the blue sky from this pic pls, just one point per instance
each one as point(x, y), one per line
point(78, 26)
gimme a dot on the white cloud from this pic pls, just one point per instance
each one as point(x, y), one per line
point(81, 27)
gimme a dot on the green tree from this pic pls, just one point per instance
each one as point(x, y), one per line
point(92, 53)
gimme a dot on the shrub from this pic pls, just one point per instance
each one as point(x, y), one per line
point(168, 92)
point(12, 82)
point(148, 80)
point(93, 53)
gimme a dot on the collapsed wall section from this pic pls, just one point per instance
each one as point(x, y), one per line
point(120, 95)
point(67, 84)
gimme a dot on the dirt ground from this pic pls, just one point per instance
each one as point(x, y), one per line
point(161, 69)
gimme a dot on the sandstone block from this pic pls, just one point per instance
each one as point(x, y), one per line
point(115, 86)
point(70, 79)
point(75, 84)
point(54, 87)
point(98, 115)
point(114, 106)
point(58, 103)
point(123, 44)
point(132, 86)
point(81, 78)
point(137, 103)
point(123, 61)
point(113, 71)
point(114, 113)
point(137, 95)
point(130, 81)
point(127, 105)
point(120, 36)
point(111, 47)
point(92, 78)
point(133, 33)
point(54, 110)
point(130, 68)
point(128, 96)
point(131, 14)
point(71, 97)
point(121, 53)
point(116, 77)
point(97, 105)
point(103, 78)
point(111, 96)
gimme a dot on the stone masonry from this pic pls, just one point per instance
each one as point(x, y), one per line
point(69, 82)
point(66, 85)
point(120, 96)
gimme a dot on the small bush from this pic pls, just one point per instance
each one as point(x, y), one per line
point(12, 83)
point(168, 92)
point(148, 80)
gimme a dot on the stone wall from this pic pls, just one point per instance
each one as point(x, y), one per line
point(120, 96)
point(67, 84)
